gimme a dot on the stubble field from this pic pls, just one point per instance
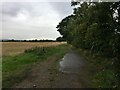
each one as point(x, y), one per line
point(15, 48)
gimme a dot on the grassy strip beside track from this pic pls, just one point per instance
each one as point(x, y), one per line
point(16, 68)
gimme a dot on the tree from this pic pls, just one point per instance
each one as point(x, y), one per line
point(94, 26)
point(60, 39)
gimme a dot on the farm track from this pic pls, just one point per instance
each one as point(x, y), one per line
point(40, 77)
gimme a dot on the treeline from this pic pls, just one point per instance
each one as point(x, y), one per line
point(12, 40)
point(94, 26)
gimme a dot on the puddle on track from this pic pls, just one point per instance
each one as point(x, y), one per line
point(71, 63)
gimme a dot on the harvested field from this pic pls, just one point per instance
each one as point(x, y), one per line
point(15, 48)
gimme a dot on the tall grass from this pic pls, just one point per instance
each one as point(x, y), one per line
point(101, 69)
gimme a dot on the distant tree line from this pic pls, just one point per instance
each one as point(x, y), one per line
point(94, 26)
point(13, 40)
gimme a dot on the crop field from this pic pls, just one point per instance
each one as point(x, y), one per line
point(15, 48)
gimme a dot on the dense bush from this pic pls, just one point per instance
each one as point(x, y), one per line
point(94, 26)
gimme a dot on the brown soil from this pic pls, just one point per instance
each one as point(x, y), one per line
point(40, 77)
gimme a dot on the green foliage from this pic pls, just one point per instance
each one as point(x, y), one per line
point(60, 39)
point(94, 26)
point(105, 79)
point(101, 70)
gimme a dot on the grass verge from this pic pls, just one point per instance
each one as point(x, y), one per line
point(16, 68)
point(101, 70)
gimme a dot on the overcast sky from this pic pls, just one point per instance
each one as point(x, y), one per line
point(33, 20)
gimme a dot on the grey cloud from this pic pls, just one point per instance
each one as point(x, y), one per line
point(12, 8)
point(63, 8)
point(38, 21)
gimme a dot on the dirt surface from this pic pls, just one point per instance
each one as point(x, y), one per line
point(40, 77)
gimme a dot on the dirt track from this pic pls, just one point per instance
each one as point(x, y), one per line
point(40, 77)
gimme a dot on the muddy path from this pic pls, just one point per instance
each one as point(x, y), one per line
point(70, 73)
point(39, 76)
